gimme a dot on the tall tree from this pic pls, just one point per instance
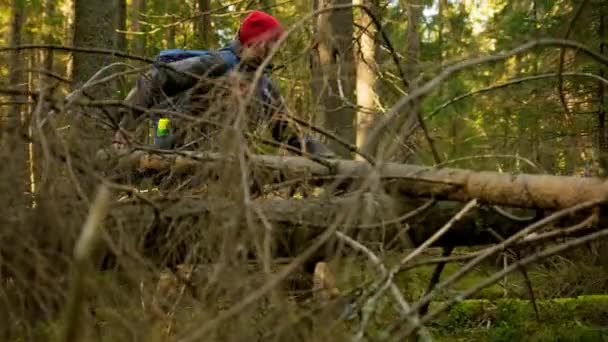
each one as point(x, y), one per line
point(94, 26)
point(602, 127)
point(120, 39)
point(412, 48)
point(203, 24)
point(366, 63)
point(334, 71)
point(138, 8)
point(170, 9)
point(49, 12)
point(17, 168)
point(15, 74)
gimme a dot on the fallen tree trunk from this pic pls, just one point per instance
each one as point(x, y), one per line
point(523, 190)
point(378, 220)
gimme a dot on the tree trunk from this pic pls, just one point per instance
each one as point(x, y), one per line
point(47, 38)
point(138, 7)
point(15, 77)
point(170, 10)
point(120, 38)
point(203, 27)
point(366, 74)
point(414, 11)
point(411, 67)
point(16, 170)
point(602, 142)
point(94, 26)
point(296, 223)
point(334, 72)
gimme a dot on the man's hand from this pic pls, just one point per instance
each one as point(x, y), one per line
point(121, 139)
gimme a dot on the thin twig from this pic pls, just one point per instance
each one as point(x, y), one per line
point(395, 292)
point(586, 224)
point(524, 273)
point(500, 211)
point(396, 110)
point(386, 281)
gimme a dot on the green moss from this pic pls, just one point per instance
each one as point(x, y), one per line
point(569, 319)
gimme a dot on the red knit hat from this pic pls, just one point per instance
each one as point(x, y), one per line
point(259, 26)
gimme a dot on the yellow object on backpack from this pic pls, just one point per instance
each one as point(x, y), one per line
point(163, 127)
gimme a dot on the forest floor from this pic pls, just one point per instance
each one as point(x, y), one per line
point(572, 301)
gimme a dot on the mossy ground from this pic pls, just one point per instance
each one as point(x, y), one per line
point(570, 297)
point(570, 319)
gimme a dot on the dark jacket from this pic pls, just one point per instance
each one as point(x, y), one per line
point(193, 86)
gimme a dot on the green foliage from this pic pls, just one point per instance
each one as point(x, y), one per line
point(525, 120)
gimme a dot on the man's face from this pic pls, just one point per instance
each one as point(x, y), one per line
point(259, 51)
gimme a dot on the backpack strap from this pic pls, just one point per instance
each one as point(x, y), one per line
point(173, 55)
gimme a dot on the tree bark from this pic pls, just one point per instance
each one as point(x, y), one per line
point(366, 76)
point(203, 27)
point(16, 169)
point(48, 38)
point(296, 223)
point(138, 7)
point(170, 10)
point(602, 138)
point(120, 38)
point(94, 26)
point(411, 68)
point(15, 77)
point(334, 72)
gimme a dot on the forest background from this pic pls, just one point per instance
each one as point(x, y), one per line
point(537, 110)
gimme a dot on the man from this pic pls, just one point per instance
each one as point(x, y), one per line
point(189, 86)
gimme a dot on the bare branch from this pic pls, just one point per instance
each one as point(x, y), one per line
point(395, 292)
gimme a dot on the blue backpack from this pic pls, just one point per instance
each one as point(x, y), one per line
point(174, 55)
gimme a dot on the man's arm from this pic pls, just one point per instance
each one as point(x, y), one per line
point(282, 131)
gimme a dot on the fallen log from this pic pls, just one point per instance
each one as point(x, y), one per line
point(377, 220)
point(521, 190)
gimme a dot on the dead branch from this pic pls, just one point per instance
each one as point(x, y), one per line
point(388, 277)
point(395, 292)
